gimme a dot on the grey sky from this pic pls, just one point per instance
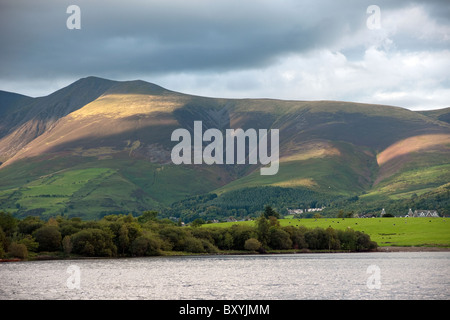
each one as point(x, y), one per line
point(285, 49)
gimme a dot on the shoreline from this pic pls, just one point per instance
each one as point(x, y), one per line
point(412, 249)
point(379, 249)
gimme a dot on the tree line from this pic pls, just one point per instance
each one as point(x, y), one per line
point(438, 199)
point(246, 202)
point(147, 235)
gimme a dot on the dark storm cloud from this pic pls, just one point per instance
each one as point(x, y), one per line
point(125, 40)
point(164, 36)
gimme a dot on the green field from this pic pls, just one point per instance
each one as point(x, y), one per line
point(416, 232)
point(91, 188)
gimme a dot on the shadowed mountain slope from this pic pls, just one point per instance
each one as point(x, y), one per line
point(100, 146)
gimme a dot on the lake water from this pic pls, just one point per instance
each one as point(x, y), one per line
point(348, 276)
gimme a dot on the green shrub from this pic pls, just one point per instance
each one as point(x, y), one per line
point(93, 242)
point(18, 250)
point(146, 246)
point(30, 243)
point(194, 245)
point(48, 237)
point(279, 239)
point(252, 244)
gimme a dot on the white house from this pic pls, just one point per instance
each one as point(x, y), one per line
point(422, 213)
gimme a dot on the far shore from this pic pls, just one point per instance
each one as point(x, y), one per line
point(411, 249)
point(305, 251)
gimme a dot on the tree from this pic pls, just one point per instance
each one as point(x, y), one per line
point(332, 239)
point(124, 240)
point(269, 212)
point(8, 223)
point(228, 240)
point(221, 237)
point(52, 222)
point(30, 243)
point(139, 246)
point(128, 218)
point(262, 230)
point(146, 245)
point(48, 237)
point(194, 245)
point(279, 239)
point(197, 222)
point(18, 250)
point(174, 236)
point(350, 214)
point(3, 244)
point(94, 242)
point(208, 246)
point(240, 234)
point(273, 222)
point(147, 216)
point(29, 224)
point(297, 236)
point(363, 242)
point(316, 239)
point(347, 239)
point(67, 244)
point(252, 244)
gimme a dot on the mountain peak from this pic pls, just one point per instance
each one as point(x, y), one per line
point(137, 87)
point(100, 146)
point(102, 86)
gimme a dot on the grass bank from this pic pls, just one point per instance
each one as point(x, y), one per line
point(401, 232)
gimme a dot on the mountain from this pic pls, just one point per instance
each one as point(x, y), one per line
point(27, 119)
point(440, 114)
point(100, 147)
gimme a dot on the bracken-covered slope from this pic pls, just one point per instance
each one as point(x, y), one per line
point(99, 146)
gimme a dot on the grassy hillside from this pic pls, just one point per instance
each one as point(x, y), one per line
point(432, 232)
point(440, 114)
point(336, 168)
point(99, 146)
point(91, 188)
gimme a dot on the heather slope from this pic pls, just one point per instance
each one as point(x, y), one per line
point(100, 146)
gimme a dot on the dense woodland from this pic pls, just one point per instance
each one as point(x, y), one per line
point(246, 202)
point(152, 233)
point(249, 202)
point(147, 235)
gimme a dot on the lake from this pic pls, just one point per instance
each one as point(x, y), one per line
point(330, 276)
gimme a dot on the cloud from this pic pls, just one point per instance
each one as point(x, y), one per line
point(257, 48)
point(393, 79)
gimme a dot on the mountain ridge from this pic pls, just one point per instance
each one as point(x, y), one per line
point(119, 132)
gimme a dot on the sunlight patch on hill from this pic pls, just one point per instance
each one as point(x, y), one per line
point(297, 182)
point(118, 106)
point(309, 151)
point(412, 144)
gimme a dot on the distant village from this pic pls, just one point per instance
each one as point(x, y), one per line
point(300, 211)
point(422, 213)
point(410, 214)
